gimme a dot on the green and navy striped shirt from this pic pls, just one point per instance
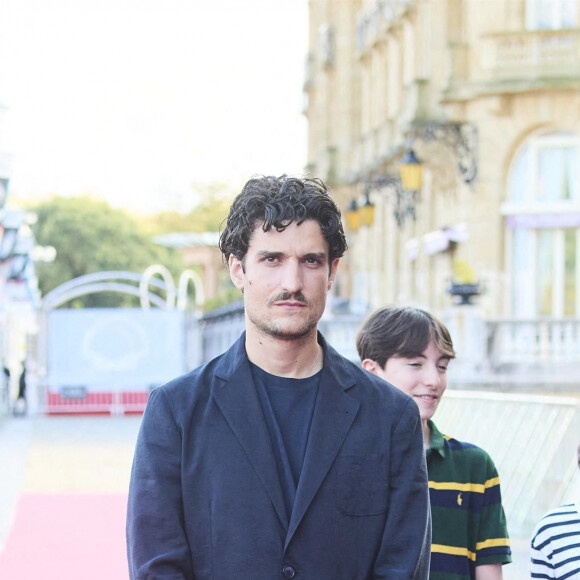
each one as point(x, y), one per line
point(469, 525)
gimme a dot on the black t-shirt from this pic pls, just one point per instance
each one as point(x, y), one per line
point(288, 406)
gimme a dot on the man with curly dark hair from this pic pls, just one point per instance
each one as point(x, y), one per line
point(280, 458)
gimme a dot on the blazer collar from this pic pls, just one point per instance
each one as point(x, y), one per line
point(237, 399)
point(334, 414)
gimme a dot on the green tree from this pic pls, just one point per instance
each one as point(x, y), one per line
point(206, 216)
point(90, 236)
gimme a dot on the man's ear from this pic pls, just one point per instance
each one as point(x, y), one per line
point(236, 270)
point(332, 273)
point(370, 365)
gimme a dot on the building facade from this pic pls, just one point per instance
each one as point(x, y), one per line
point(487, 96)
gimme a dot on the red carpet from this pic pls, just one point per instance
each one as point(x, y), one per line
point(67, 537)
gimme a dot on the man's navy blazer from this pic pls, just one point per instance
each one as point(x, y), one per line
point(205, 501)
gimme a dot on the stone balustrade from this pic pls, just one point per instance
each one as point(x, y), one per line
point(500, 354)
point(531, 54)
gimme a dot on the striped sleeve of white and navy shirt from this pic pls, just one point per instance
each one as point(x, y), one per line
point(555, 550)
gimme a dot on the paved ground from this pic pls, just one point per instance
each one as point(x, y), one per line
point(63, 494)
point(63, 497)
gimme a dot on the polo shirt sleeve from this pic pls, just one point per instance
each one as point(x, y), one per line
point(493, 543)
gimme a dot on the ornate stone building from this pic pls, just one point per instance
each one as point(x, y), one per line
point(487, 96)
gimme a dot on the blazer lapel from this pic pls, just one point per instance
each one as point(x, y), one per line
point(334, 414)
point(238, 401)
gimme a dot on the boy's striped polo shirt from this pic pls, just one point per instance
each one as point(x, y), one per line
point(469, 524)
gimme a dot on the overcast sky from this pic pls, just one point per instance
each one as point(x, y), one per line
point(136, 100)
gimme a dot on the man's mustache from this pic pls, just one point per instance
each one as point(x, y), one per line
point(285, 296)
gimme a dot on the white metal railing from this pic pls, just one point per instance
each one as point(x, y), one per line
point(219, 330)
point(340, 332)
point(215, 333)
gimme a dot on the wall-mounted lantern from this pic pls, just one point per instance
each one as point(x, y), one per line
point(459, 138)
point(360, 215)
point(353, 216)
point(405, 189)
point(411, 171)
point(367, 212)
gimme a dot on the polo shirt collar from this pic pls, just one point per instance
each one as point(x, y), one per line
point(437, 440)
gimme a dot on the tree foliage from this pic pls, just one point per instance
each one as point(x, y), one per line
point(90, 236)
point(206, 216)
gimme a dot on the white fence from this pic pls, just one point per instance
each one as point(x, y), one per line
point(531, 439)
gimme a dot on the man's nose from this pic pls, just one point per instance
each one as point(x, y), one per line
point(292, 277)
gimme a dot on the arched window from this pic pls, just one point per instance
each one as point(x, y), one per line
point(543, 227)
point(551, 14)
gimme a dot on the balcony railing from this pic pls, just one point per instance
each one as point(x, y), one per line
point(539, 54)
point(539, 353)
point(374, 23)
point(552, 344)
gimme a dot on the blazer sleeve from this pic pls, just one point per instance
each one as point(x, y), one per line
point(405, 550)
point(156, 540)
